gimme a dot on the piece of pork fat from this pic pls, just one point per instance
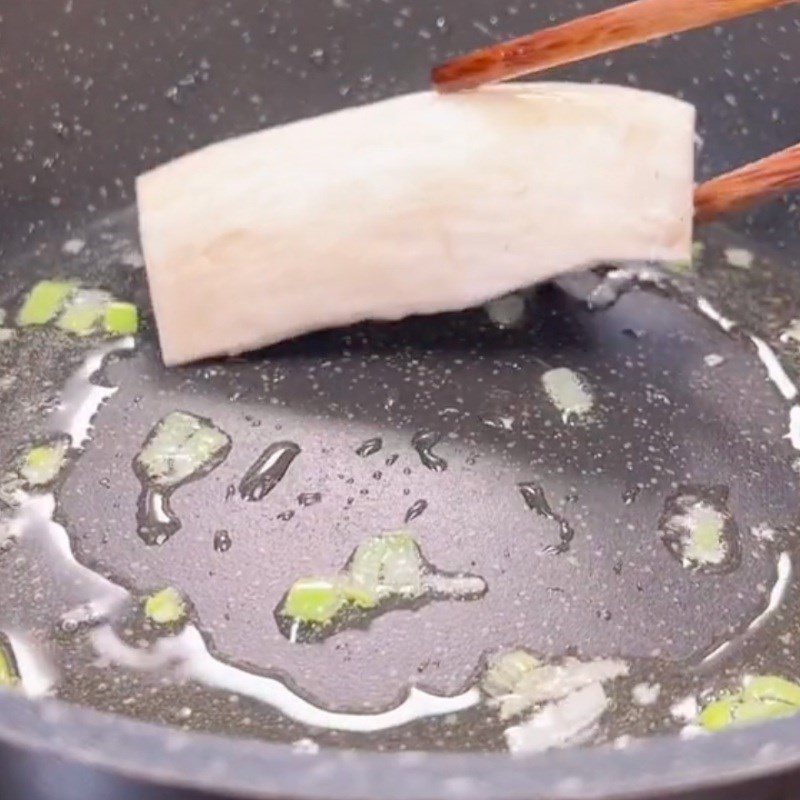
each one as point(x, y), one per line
point(413, 205)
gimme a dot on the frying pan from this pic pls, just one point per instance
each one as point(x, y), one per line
point(93, 94)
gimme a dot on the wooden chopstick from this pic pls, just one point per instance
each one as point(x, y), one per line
point(613, 29)
point(748, 185)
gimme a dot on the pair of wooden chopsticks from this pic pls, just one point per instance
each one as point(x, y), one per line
point(622, 26)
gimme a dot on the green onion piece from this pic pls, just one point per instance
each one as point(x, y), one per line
point(749, 711)
point(718, 715)
point(386, 566)
point(357, 596)
point(8, 675)
point(707, 541)
point(80, 321)
point(44, 301)
point(121, 319)
point(314, 600)
point(771, 687)
point(84, 312)
point(41, 464)
point(568, 392)
point(180, 445)
point(507, 670)
point(763, 698)
point(165, 607)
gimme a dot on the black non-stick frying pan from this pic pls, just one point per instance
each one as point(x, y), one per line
point(437, 425)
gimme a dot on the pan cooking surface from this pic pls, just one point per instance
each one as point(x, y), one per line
point(564, 463)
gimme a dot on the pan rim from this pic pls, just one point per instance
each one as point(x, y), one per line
point(252, 768)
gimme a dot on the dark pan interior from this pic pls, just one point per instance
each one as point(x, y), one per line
point(109, 91)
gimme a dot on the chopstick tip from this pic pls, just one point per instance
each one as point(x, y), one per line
point(438, 78)
point(445, 78)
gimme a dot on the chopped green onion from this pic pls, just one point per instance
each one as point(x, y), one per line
point(358, 596)
point(516, 681)
point(44, 302)
point(506, 671)
point(568, 392)
point(8, 674)
point(121, 319)
point(180, 445)
point(382, 569)
point(84, 312)
point(315, 600)
point(165, 607)
point(718, 715)
point(771, 687)
point(41, 465)
point(763, 698)
point(707, 539)
point(389, 565)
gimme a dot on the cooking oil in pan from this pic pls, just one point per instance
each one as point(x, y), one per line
point(535, 500)
point(182, 447)
point(370, 447)
point(307, 499)
point(415, 510)
point(423, 442)
point(384, 573)
point(222, 541)
point(675, 464)
point(699, 531)
point(268, 470)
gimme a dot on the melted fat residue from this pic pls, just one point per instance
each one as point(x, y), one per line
point(569, 721)
point(775, 371)
point(709, 311)
point(777, 596)
point(185, 653)
point(794, 427)
point(187, 656)
point(81, 398)
point(568, 392)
